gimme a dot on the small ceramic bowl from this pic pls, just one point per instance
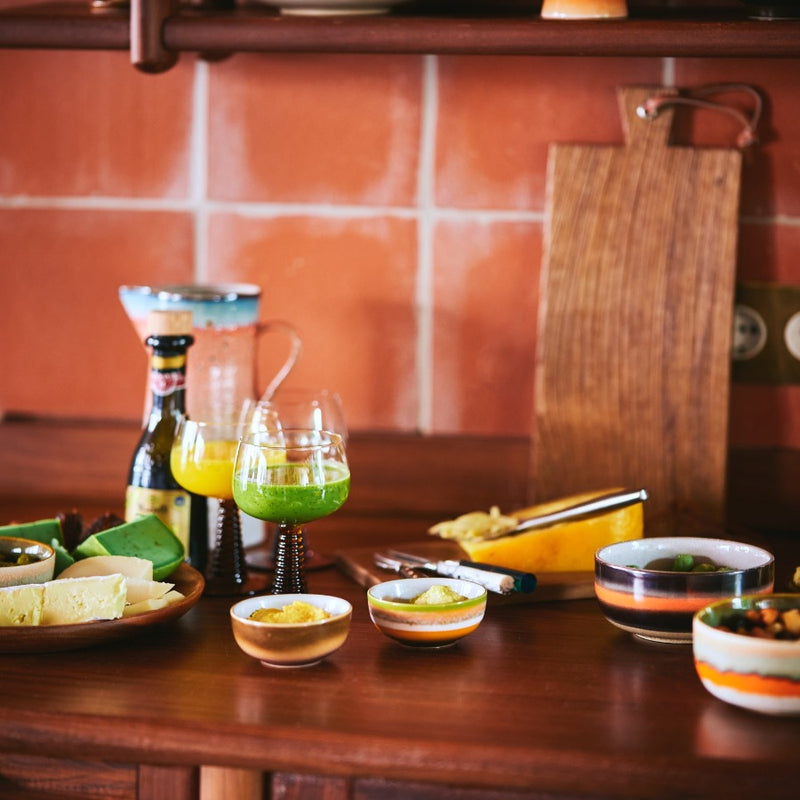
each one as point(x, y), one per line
point(37, 571)
point(438, 625)
point(658, 604)
point(298, 644)
point(758, 674)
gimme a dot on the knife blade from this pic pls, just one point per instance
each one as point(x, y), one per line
point(604, 503)
point(402, 568)
point(496, 579)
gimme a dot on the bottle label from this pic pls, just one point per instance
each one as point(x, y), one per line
point(165, 383)
point(171, 506)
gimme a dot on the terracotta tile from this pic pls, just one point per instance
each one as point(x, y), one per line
point(771, 175)
point(68, 348)
point(486, 281)
point(342, 129)
point(348, 286)
point(768, 252)
point(765, 416)
point(87, 123)
point(497, 117)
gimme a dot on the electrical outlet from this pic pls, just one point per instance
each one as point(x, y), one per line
point(766, 334)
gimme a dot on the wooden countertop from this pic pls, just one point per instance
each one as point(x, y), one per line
point(546, 697)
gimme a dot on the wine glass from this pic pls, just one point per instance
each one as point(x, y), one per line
point(290, 477)
point(201, 460)
point(317, 409)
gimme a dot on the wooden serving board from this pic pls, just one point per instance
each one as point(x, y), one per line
point(358, 563)
point(633, 361)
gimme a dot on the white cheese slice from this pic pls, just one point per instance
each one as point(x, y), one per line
point(143, 606)
point(22, 605)
point(129, 566)
point(71, 600)
point(139, 590)
point(152, 603)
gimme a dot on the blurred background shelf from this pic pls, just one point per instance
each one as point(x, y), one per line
point(511, 29)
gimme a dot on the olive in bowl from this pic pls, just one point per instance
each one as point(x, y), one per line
point(25, 561)
point(291, 630)
point(426, 612)
point(747, 652)
point(643, 587)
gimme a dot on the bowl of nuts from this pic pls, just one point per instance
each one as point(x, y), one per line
point(747, 652)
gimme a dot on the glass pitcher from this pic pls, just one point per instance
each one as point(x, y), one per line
point(222, 366)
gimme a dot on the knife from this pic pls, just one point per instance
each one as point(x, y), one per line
point(496, 579)
point(606, 502)
point(499, 584)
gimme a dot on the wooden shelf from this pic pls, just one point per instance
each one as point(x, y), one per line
point(258, 28)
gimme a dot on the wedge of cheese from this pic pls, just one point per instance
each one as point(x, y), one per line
point(129, 566)
point(152, 603)
point(139, 590)
point(22, 605)
point(147, 537)
point(71, 600)
point(43, 530)
point(565, 547)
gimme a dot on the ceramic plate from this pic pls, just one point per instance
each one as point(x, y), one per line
point(53, 638)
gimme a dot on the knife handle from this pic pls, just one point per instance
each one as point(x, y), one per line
point(493, 581)
point(523, 581)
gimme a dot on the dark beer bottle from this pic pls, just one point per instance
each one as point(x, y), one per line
point(152, 489)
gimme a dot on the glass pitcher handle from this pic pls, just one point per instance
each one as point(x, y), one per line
point(291, 360)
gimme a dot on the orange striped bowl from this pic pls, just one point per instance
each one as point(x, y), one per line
point(758, 674)
point(439, 625)
point(658, 604)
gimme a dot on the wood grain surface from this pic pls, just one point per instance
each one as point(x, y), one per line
point(542, 700)
point(633, 363)
point(359, 564)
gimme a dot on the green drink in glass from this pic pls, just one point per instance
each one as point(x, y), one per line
point(290, 478)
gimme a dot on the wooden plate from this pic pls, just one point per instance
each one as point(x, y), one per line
point(54, 638)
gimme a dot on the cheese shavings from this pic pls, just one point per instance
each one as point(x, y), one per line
point(475, 526)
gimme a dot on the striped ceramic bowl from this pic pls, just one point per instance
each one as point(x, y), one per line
point(758, 674)
point(658, 604)
point(437, 625)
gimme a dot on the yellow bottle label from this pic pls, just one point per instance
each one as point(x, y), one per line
point(172, 507)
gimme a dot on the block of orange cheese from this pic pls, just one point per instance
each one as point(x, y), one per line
point(564, 547)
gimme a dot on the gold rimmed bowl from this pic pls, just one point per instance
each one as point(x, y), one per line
point(294, 644)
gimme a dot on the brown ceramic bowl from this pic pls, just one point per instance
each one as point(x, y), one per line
point(39, 570)
point(297, 644)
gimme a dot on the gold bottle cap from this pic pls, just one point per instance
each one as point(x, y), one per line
point(169, 323)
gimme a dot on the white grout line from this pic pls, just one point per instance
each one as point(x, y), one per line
point(425, 232)
point(266, 210)
point(668, 72)
point(199, 168)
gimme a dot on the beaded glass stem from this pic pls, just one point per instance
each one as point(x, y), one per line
point(290, 558)
point(227, 571)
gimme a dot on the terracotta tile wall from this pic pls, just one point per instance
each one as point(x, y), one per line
point(391, 207)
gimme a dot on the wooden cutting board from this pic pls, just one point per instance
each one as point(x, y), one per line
point(358, 563)
point(632, 375)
